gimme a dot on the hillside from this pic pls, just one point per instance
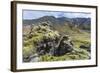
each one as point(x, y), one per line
point(35, 33)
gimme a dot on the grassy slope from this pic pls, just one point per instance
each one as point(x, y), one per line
point(79, 37)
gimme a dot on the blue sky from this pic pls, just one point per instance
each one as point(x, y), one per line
point(33, 14)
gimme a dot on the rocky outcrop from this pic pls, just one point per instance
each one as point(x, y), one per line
point(53, 43)
point(43, 43)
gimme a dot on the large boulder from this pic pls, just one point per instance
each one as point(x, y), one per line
point(64, 46)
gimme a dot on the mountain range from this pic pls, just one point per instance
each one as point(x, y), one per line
point(82, 23)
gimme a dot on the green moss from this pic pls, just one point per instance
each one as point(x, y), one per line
point(27, 50)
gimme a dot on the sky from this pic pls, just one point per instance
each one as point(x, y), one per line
point(34, 14)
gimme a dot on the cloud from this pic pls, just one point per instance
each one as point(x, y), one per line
point(33, 14)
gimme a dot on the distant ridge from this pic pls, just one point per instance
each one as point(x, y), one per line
point(82, 23)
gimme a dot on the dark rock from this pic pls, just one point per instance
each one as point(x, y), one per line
point(63, 47)
point(86, 47)
point(83, 46)
point(26, 59)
